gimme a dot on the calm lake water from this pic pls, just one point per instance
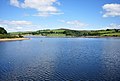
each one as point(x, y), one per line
point(60, 59)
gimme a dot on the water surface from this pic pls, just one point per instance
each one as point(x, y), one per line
point(60, 59)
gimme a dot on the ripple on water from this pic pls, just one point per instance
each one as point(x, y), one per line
point(60, 59)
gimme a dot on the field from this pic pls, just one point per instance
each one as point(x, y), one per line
point(71, 33)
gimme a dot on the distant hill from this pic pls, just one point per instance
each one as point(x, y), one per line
point(72, 33)
point(2, 31)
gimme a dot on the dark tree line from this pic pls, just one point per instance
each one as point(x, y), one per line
point(2, 31)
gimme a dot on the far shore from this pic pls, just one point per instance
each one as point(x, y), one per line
point(13, 39)
point(71, 36)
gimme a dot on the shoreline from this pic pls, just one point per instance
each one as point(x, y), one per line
point(72, 37)
point(20, 39)
point(13, 39)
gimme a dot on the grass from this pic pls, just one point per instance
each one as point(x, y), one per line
point(56, 35)
point(111, 34)
point(58, 30)
point(105, 32)
point(2, 36)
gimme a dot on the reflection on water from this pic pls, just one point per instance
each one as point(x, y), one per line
point(60, 59)
point(111, 60)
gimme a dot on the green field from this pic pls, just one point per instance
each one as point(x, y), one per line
point(111, 34)
point(72, 33)
point(56, 35)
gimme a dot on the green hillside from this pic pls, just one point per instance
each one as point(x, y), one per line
point(72, 33)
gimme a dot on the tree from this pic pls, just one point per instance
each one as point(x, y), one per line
point(19, 35)
point(116, 30)
point(2, 31)
point(107, 29)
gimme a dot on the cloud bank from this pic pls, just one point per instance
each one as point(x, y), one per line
point(13, 26)
point(111, 10)
point(44, 7)
point(113, 26)
point(74, 23)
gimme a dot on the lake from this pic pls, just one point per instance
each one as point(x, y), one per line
point(60, 59)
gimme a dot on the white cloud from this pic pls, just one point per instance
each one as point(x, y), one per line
point(46, 14)
point(111, 10)
point(42, 14)
point(74, 23)
point(44, 7)
point(113, 26)
point(16, 23)
point(14, 3)
point(21, 23)
point(19, 28)
point(13, 26)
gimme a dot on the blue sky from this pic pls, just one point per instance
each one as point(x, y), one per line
point(31, 15)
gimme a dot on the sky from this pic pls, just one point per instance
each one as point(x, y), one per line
point(32, 15)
